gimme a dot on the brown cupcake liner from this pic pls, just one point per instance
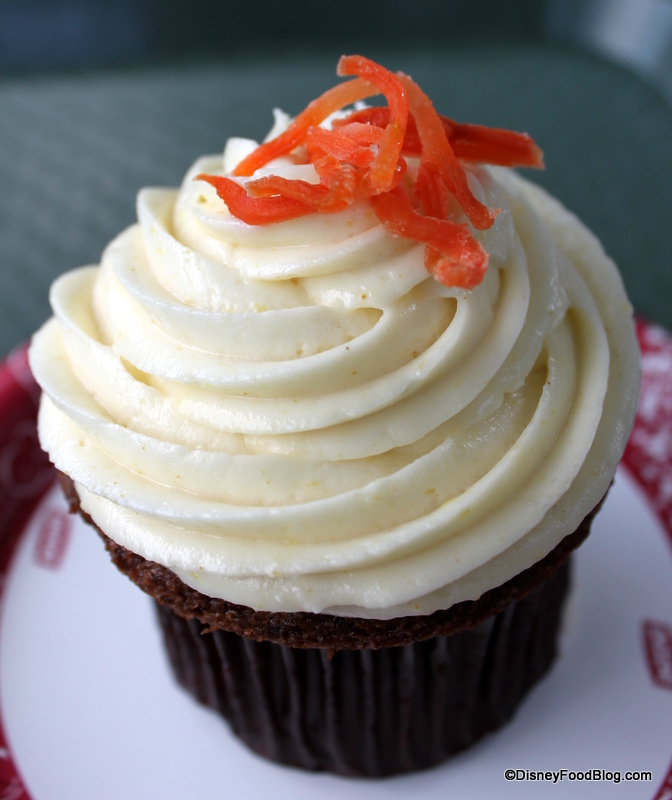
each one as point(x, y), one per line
point(371, 712)
point(355, 696)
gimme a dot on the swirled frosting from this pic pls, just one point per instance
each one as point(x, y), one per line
point(298, 417)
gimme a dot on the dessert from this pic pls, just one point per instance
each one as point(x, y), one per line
point(343, 404)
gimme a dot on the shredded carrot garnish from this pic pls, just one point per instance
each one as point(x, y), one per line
point(363, 157)
point(449, 243)
point(341, 145)
point(256, 211)
point(476, 143)
point(384, 164)
point(438, 154)
point(492, 145)
point(325, 198)
point(335, 99)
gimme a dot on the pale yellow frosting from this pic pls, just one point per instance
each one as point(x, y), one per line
point(298, 417)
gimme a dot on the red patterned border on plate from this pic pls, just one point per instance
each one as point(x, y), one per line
point(648, 455)
point(648, 458)
point(25, 475)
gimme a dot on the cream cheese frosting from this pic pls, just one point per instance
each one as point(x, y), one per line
point(299, 417)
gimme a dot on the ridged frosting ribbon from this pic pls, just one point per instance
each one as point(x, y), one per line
point(298, 417)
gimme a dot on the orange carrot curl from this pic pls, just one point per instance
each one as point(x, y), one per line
point(363, 156)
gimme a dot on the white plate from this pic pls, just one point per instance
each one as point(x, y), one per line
point(90, 711)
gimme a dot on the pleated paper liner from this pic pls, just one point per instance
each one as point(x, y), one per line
point(371, 712)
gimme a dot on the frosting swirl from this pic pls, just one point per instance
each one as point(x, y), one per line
point(298, 417)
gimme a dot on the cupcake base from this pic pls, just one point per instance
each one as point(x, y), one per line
point(355, 696)
point(371, 712)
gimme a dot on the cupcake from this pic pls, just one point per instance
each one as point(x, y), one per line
point(344, 404)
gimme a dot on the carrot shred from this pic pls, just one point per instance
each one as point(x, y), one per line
point(492, 145)
point(344, 94)
point(432, 192)
point(272, 185)
point(476, 143)
point(378, 116)
point(324, 198)
point(453, 273)
point(363, 156)
point(389, 148)
point(327, 168)
point(453, 243)
point(362, 134)
point(437, 152)
point(320, 141)
point(255, 210)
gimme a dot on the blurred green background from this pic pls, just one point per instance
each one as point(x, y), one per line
point(98, 99)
